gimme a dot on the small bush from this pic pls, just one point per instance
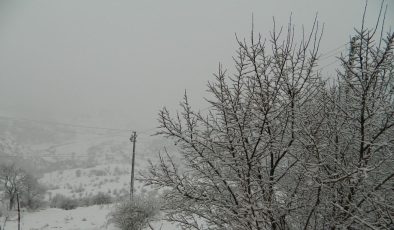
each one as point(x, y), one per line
point(97, 172)
point(78, 189)
point(124, 191)
point(101, 198)
point(134, 215)
point(63, 202)
point(53, 187)
point(68, 186)
point(84, 201)
point(78, 173)
point(117, 171)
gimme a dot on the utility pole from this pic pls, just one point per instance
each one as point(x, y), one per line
point(133, 139)
point(19, 211)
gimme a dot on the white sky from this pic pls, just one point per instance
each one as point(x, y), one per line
point(116, 63)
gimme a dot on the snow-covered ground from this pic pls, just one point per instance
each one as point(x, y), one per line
point(113, 179)
point(82, 218)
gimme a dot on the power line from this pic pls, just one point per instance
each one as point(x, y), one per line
point(332, 55)
point(329, 64)
point(43, 156)
point(62, 155)
point(334, 51)
point(65, 124)
point(146, 131)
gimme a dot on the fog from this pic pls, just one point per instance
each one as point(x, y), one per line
point(116, 63)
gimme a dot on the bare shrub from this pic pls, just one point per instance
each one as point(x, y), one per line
point(78, 173)
point(97, 172)
point(100, 198)
point(135, 214)
point(63, 202)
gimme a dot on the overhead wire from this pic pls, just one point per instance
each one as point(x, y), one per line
point(333, 52)
point(64, 124)
point(329, 64)
point(146, 131)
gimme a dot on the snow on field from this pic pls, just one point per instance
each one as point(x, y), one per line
point(89, 218)
point(113, 179)
point(82, 218)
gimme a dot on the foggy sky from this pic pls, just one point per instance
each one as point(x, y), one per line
point(116, 63)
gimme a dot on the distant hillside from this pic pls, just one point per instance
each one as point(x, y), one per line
point(35, 133)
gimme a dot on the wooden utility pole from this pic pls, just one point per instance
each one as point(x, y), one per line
point(133, 139)
point(19, 211)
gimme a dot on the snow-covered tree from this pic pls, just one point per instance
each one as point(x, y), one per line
point(351, 142)
point(11, 179)
point(242, 168)
point(32, 194)
point(281, 149)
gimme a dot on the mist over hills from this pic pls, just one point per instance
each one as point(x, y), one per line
point(45, 147)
